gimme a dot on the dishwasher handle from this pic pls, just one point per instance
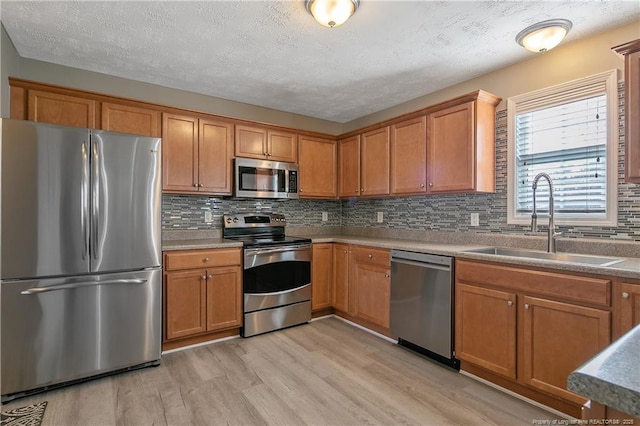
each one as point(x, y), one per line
point(421, 264)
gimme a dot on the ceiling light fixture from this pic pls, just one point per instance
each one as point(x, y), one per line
point(331, 13)
point(544, 35)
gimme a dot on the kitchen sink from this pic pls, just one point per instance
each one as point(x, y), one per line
point(560, 257)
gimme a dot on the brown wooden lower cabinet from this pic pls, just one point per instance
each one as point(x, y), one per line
point(340, 290)
point(202, 300)
point(558, 338)
point(511, 329)
point(372, 293)
point(321, 276)
point(486, 328)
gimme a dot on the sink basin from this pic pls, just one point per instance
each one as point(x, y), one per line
point(560, 257)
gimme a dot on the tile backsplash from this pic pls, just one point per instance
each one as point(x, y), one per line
point(448, 213)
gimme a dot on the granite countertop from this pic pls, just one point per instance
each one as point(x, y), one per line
point(195, 244)
point(612, 377)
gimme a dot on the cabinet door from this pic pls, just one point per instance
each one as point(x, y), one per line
point(251, 142)
point(224, 298)
point(282, 146)
point(372, 293)
point(340, 293)
point(632, 118)
point(628, 303)
point(374, 157)
point(486, 328)
point(409, 156)
point(185, 303)
point(558, 338)
point(321, 276)
point(130, 119)
point(215, 157)
point(179, 153)
point(317, 162)
point(65, 110)
point(451, 149)
point(349, 166)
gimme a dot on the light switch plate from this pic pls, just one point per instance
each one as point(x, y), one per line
point(208, 216)
point(475, 219)
point(379, 217)
point(325, 216)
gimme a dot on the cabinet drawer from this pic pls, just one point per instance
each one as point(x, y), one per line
point(194, 259)
point(372, 256)
point(564, 286)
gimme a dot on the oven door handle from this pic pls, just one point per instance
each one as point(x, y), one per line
point(258, 251)
point(258, 257)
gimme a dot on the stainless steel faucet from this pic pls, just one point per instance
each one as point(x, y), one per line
point(551, 233)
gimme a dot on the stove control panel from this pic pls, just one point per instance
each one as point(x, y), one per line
point(253, 220)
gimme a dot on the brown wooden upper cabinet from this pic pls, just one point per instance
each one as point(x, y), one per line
point(266, 144)
point(631, 52)
point(197, 155)
point(318, 162)
point(54, 108)
point(461, 146)
point(409, 156)
point(130, 119)
point(349, 166)
point(364, 164)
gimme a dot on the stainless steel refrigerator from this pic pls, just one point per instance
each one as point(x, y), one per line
point(81, 279)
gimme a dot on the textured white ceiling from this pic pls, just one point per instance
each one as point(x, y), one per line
point(273, 54)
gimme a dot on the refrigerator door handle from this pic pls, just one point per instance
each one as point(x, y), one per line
point(84, 200)
point(95, 168)
point(38, 290)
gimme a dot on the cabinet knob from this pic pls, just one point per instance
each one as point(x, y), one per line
point(510, 303)
point(201, 185)
point(422, 185)
point(370, 256)
point(206, 259)
point(204, 277)
point(209, 276)
point(526, 306)
point(301, 190)
point(361, 189)
point(345, 251)
point(625, 295)
point(386, 275)
point(195, 184)
point(430, 184)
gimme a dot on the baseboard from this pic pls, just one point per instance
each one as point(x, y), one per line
point(197, 345)
point(517, 395)
point(375, 333)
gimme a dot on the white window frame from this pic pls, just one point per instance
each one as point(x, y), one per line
point(548, 97)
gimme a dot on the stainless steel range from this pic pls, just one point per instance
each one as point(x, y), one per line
point(277, 272)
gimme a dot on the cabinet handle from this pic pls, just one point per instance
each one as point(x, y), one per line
point(206, 259)
point(204, 277)
point(209, 276)
point(625, 295)
point(510, 303)
point(526, 306)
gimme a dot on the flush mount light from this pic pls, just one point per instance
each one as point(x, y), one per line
point(544, 35)
point(331, 13)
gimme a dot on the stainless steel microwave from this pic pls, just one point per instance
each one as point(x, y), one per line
point(265, 179)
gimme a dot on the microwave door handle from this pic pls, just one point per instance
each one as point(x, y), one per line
point(286, 181)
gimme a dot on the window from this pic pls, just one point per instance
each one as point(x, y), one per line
point(568, 131)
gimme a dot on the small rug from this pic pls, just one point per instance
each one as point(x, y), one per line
point(31, 415)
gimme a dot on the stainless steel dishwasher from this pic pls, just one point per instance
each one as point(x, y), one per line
point(421, 310)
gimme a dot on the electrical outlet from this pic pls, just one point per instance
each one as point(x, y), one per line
point(379, 217)
point(208, 216)
point(475, 219)
point(325, 216)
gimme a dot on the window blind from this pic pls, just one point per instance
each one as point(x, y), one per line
point(567, 141)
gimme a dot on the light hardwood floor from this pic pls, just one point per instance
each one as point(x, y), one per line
point(323, 373)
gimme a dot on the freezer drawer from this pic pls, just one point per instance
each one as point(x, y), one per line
point(63, 329)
